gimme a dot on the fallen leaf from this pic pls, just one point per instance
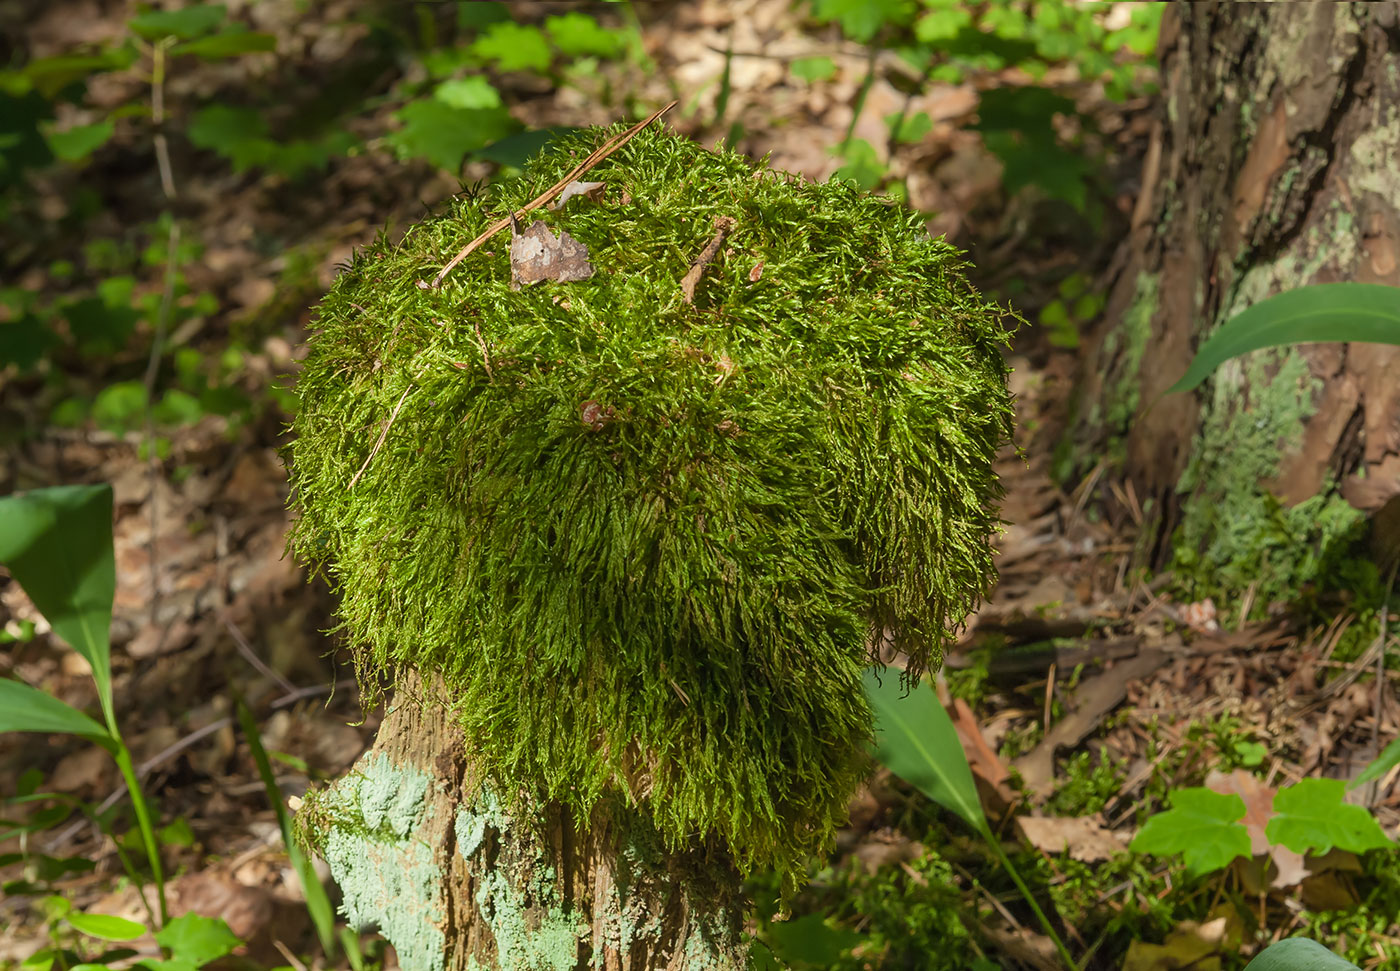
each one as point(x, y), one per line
point(1191, 945)
point(990, 773)
point(537, 255)
point(723, 225)
point(1085, 838)
point(592, 191)
point(756, 273)
point(1290, 868)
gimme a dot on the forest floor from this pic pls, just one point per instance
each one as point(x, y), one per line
point(1082, 692)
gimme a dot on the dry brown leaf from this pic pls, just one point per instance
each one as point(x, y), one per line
point(537, 255)
point(991, 774)
point(1085, 838)
point(1191, 945)
point(592, 191)
point(1289, 867)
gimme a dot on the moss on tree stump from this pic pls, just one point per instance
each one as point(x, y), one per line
point(646, 543)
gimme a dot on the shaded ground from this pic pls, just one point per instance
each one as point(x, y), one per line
point(207, 605)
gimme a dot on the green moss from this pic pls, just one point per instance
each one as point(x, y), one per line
point(1128, 342)
point(673, 602)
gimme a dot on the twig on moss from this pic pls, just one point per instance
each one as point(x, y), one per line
point(594, 157)
point(383, 434)
point(485, 357)
point(691, 280)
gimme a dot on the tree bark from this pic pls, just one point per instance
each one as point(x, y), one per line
point(1273, 165)
point(457, 877)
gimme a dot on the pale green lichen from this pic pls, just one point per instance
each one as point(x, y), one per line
point(388, 879)
point(1125, 346)
point(1373, 155)
point(532, 931)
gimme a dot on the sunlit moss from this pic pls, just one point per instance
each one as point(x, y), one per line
point(672, 600)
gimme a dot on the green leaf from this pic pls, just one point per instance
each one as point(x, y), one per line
point(444, 135)
point(185, 24)
point(24, 340)
point(811, 939)
point(514, 47)
point(27, 709)
point(1386, 761)
point(41, 960)
point(120, 407)
point(106, 927)
point(1353, 312)
point(579, 35)
point(237, 134)
point(77, 143)
point(911, 129)
point(861, 20)
point(1312, 816)
point(228, 43)
point(915, 739)
point(812, 68)
point(99, 326)
point(1202, 825)
point(57, 544)
point(861, 165)
point(473, 92)
point(197, 939)
point(50, 75)
point(1299, 954)
point(942, 24)
point(517, 149)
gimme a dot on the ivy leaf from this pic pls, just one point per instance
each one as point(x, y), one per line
point(861, 20)
point(1312, 817)
point(1202, 825)
point(515, 47)
point(186, 23)
point(579, 35)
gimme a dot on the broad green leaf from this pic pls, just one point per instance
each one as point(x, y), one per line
point(120, 407)
point(57, 544)
point(471, 92)
point(579, 35)
point(50, 75)
point(942, 24)
point(238, 134)
point(228, 43)
point(444, 135)
point(1386, 761)
point(24, 340)
point(197, 939)
point(1312, 816)
point(106, 927)
point(1202, 825)
point(1299, 954)
point(910, 129)
point(517, 149)
point(915, 739)
point(811, 939)
point(1352, 312)
point(77, 143)
point(812, 68)
point(41, 960)
point(27, 709)
point(186, 23)
point(99, 326)
point(514, 47)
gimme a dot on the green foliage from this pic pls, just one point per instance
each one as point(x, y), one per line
point(1088, 785)
point(685, 585)
point(1312, 816)
point(1073, 309)
point(1352, 312)
point(1202, 825)
point(915, 739)
point(1299, 954)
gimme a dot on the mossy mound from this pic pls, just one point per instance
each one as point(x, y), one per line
point(645, 542)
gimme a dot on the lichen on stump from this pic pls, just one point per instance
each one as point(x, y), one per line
point(645, 542)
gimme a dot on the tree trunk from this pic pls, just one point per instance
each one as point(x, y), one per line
point(456, 880)
point(1273, 165)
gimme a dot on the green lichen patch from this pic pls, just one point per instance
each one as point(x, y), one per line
point(644, 542)
point(364, 826)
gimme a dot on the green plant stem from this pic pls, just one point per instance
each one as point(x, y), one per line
point(143, 820)
point(1045, 924)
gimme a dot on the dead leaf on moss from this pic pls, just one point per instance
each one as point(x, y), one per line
point(592, 191)
point(537, 255)
point(691, 280)
point(1191, 945)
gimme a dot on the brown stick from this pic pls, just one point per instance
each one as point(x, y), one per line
point(691, 280)
point(596, 156)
